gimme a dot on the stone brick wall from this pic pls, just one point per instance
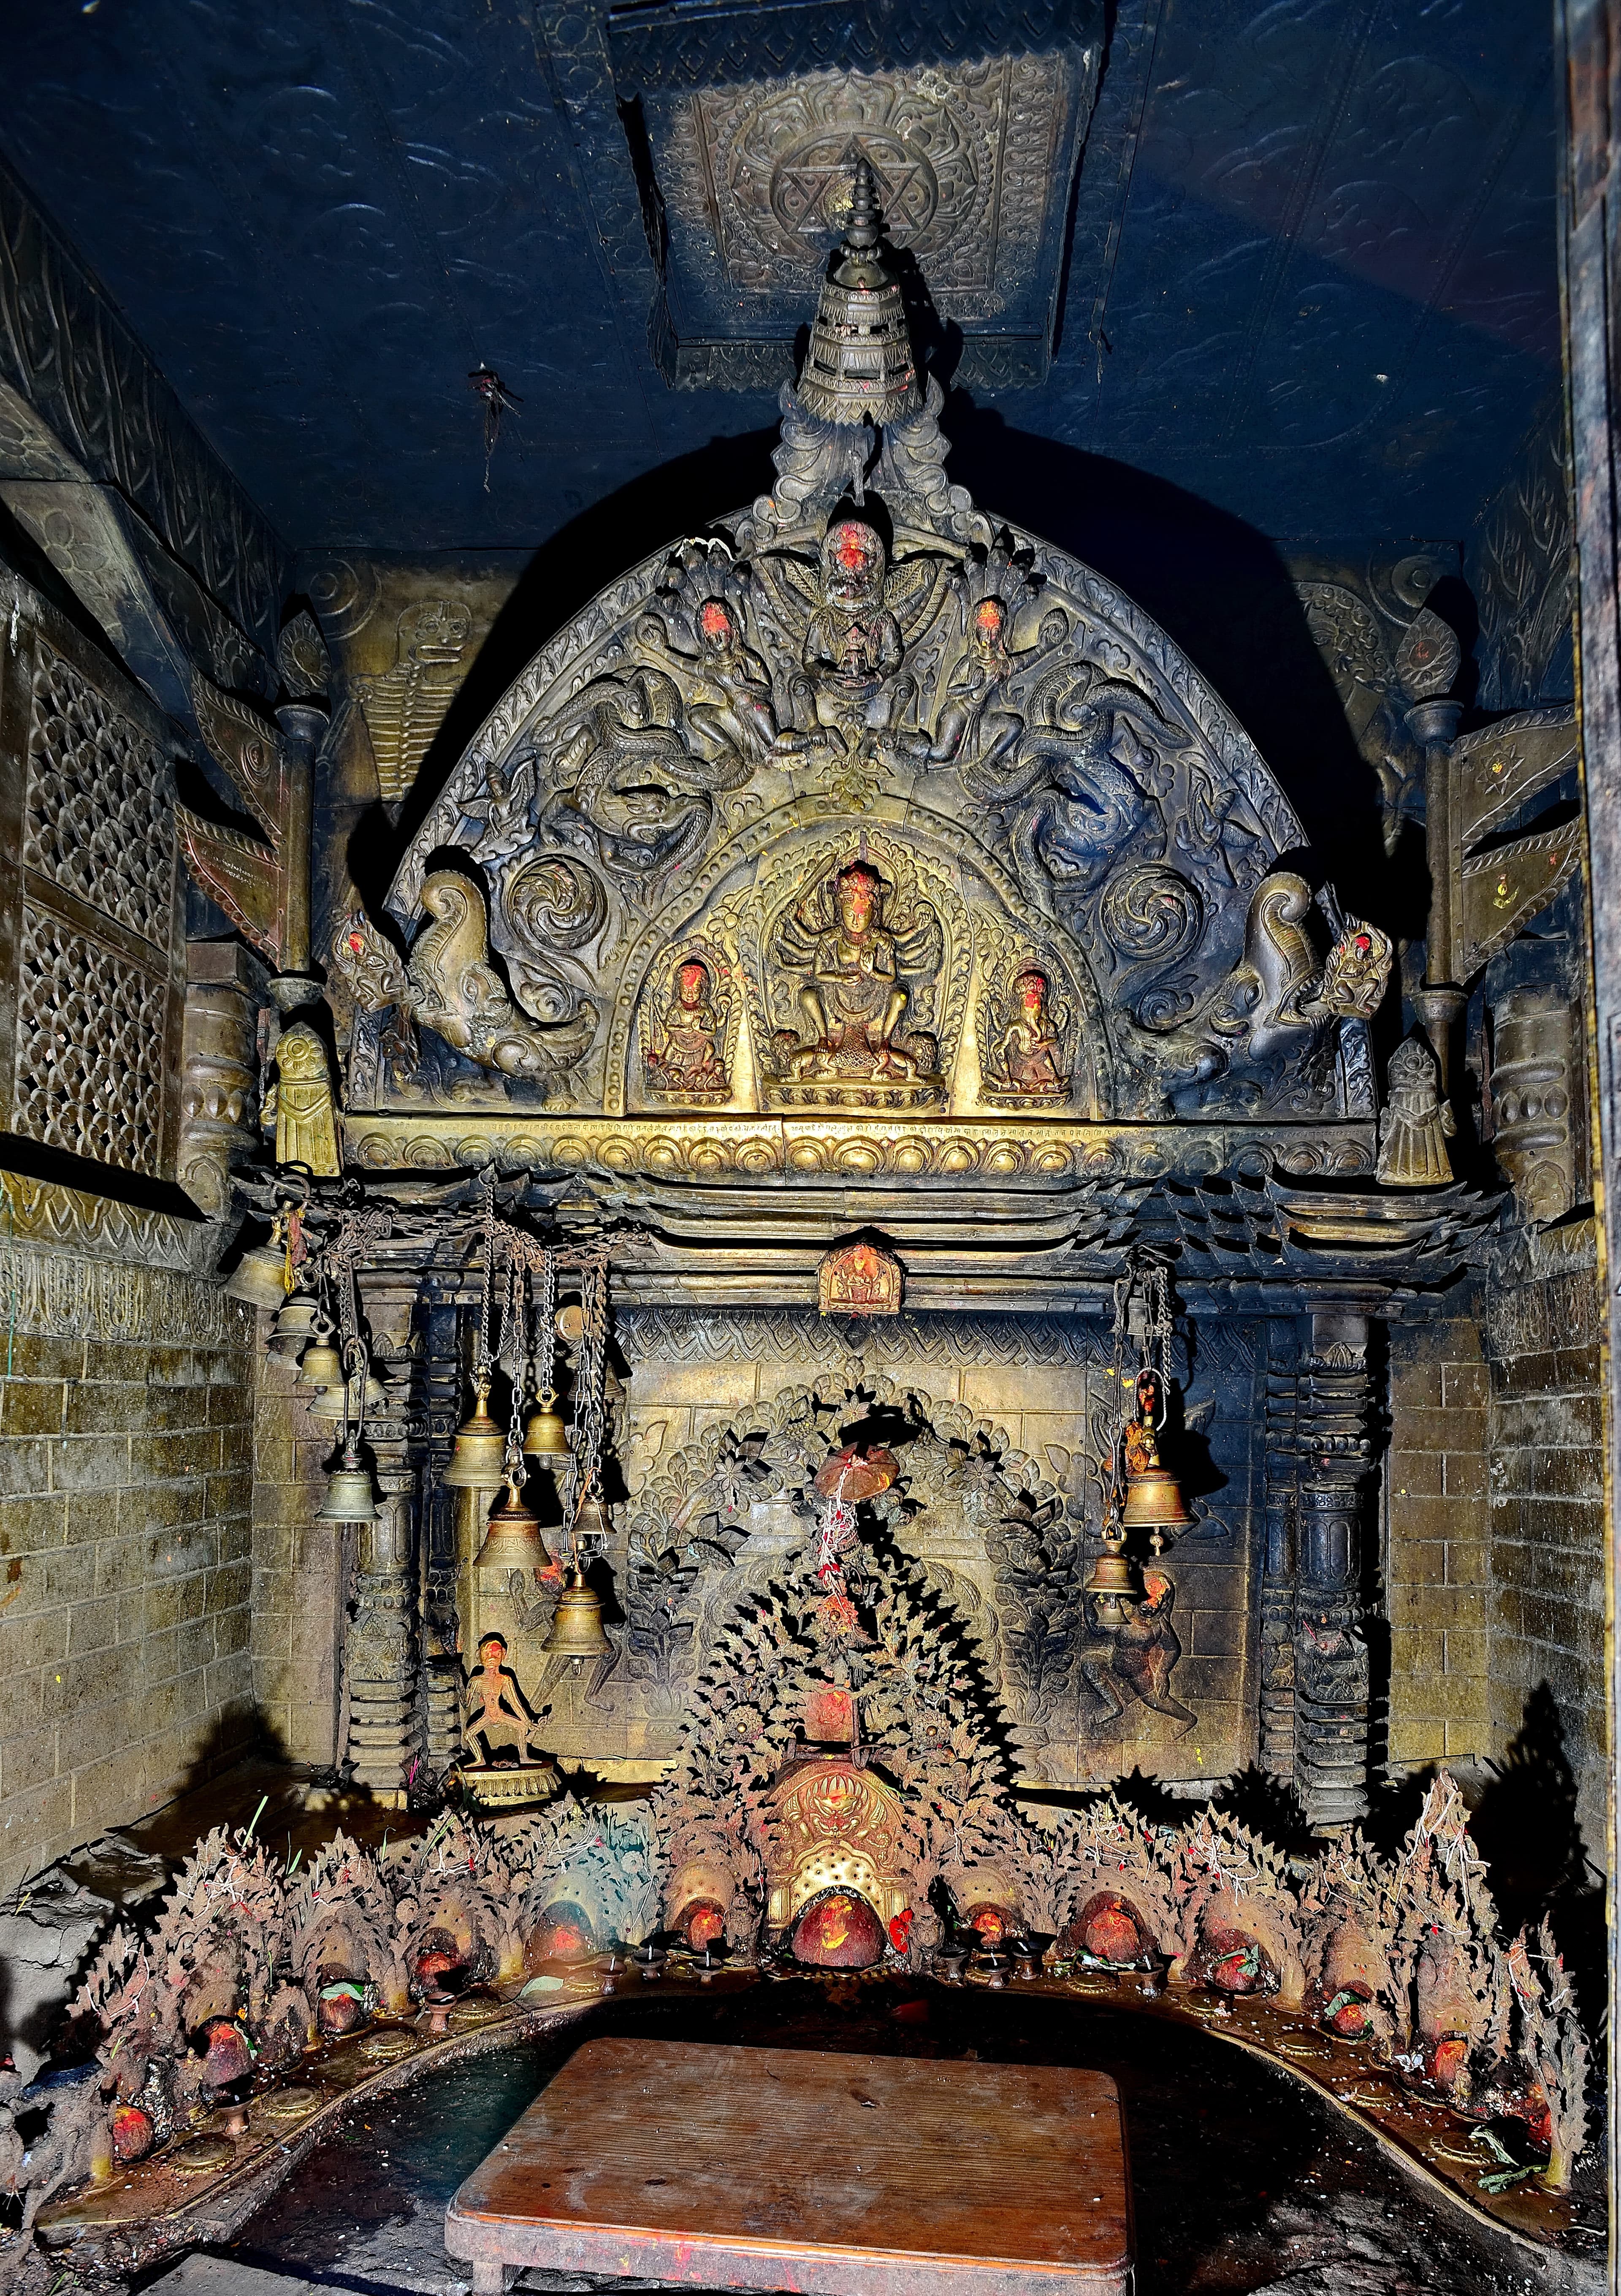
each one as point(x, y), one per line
point(1542, 1332)
point(1438, 1541)
point(126, 1511)
point(301, 1572)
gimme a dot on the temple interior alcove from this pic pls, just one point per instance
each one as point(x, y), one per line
point(804, 1008)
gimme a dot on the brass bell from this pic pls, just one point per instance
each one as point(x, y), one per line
point(260, 1277)
point(1154, 1501)
point(294, 1326)
point(339, 1403)
point(478, 1458)
point(577, 1624)
point(348, 1493)
point(545, 1437)
point(591, 1519)
point(512, 1541)
point(322, 1365)
point(1109, 1580)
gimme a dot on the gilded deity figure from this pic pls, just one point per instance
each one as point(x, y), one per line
point(687, 1063)
point(975, 725)
point(1414, 1127)
point(855, 998)
point(1030, 1055)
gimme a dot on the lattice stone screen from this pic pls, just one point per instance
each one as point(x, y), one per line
point(92, 957)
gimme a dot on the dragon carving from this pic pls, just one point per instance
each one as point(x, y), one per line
point(448, 984)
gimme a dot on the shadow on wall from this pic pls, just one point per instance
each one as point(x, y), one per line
point(1220, 590)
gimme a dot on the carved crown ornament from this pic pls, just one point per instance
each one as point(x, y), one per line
point(861, 816)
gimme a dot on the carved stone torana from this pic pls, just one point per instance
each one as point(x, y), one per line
point(1537, 1097)
point(860, 671)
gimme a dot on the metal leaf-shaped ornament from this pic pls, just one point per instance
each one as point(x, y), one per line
point(1427, 660)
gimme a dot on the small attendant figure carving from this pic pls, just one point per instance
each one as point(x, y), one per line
point(302, 1102)
point(730, 713)
point(1027, 1060)
point(686, 1062)
point(498, 1714)
point(1415, 1129)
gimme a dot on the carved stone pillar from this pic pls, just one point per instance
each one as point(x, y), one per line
point(384, 1733)
point(1277, 1558)
point(1331, 1682)
point(442, 1622)
point(225, 986)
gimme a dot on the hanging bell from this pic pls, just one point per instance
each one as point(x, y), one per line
point(1109, 1580)
point(321, 1364)
point(545, 1437)
point(478, 1458)
point(340, 1403)
point(348, 1493)
point(260, 1277)
point(512, 1541)
point(294, 1326)
point(1154, 1501)
point(577, 1624)
point(592, 1520)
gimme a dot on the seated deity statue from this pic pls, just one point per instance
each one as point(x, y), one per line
point(730, 714)
point(854, 998)
point(1030, 1055)
point(688, 1060)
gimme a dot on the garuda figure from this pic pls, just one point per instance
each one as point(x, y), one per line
point(852, 688)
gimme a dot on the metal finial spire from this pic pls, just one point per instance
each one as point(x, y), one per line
point(859, 367)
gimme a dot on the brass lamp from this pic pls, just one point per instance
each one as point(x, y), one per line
point(260, 1277)
point(512, 1541)
point(545, 1437)
point(478, 1458)
point(575, 1631)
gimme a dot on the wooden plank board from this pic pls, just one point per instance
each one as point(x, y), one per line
point(800, 2169)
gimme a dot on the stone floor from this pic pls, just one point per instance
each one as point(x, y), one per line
point(1242, 2183)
